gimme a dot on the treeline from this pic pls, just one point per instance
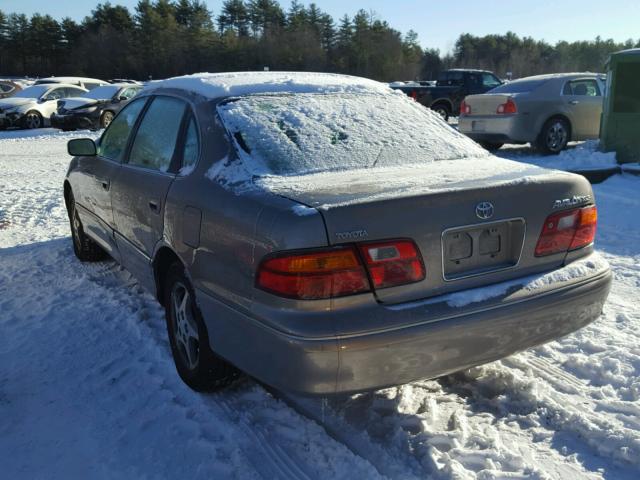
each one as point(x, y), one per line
point(165, 38)
point(526, 56)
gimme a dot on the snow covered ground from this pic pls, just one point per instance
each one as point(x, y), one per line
point(580, 156)
point(88, 388)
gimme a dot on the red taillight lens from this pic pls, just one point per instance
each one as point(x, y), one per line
point(337, 272)
point(567, 231)
point(507, 108)
point(393, 263)
point(465, 108)
point(315, 275)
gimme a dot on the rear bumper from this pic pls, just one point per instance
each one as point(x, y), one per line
point(496, 129)
point(424, 340)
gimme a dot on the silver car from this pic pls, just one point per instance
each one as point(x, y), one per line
point(547, 111)
point(325, 234)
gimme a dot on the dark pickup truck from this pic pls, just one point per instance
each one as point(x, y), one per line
point(450, 89)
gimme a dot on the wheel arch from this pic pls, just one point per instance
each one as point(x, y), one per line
point(162, 260)
point(67, 192)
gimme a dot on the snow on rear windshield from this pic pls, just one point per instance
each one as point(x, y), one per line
point(305, 133)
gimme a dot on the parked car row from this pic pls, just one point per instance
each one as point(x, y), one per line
point(547, 111)
point(68, 103)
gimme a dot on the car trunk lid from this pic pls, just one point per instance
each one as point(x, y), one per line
point(486, 104)
point(475, 221)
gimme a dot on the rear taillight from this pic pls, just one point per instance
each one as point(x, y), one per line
point(507, 108)
point(393, 263)
point(568, 230)
point(414, 95)
point(330, 273)
point(465, 108)
point(314, 275)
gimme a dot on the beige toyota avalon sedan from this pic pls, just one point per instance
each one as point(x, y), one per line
point(547, 111)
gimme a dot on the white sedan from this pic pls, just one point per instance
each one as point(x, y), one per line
point(33, 106)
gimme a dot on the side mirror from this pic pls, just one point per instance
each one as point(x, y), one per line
point(81, 147)
point(122, 98)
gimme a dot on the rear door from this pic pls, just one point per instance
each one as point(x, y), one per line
point(583, 99)
point(140, 189)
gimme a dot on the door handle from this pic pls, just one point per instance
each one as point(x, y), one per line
point(574, 102)
point(154, 206)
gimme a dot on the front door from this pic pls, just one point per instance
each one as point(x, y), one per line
point(140, 189)
point(96, 175)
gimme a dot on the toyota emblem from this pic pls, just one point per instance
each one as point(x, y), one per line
point(484, 210)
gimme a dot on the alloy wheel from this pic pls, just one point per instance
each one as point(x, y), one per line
point(107, 118)
point(556, 136)
point(442, 112)
point(185, 328)
point(76, 228)
point(32, 120)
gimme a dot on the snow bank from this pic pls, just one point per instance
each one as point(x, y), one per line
point(583, 156)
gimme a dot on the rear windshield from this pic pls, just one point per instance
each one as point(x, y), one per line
point(523, 86)
point(102, 93)
point(304, 133)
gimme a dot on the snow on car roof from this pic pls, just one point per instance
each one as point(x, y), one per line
point(217, 85)
point(550, 76)
point(69, 80)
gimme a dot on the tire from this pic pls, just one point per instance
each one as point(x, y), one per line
point(442, 110)
point(84, 247)
point(32, 119)
point(200, 368)
point(491, 146)
point(554, 136)
point(106, 118)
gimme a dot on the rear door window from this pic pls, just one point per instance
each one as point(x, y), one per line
point(114, 140)
point(55, 94)
point(73, 92)
point(489, 81)
point(582, 88)
point(155, 142)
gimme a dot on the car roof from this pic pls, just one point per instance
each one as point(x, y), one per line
point(59, 85)
point(70, 80)
point(220, 85)
point(551, 76)
point(470, 70)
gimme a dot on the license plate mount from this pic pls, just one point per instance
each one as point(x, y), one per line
point(481, 249)
point(478, 126)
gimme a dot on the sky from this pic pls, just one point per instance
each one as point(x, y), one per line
point(439, 23)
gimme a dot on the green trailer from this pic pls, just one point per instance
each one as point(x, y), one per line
point(620, 124)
